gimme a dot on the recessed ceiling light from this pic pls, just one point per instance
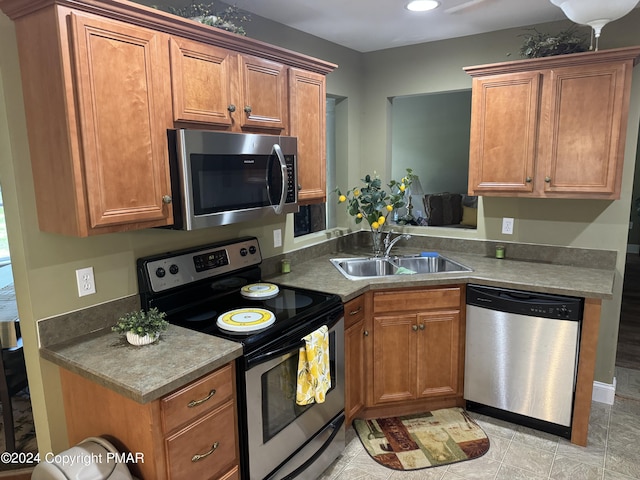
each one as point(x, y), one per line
point(422, 5)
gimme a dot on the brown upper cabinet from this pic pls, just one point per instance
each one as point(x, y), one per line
point(551, 127)
point(308, 110)
point(105, 79)
point(95, 109)
point(216, 86)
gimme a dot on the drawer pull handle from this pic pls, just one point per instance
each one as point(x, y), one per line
point(355, 312)
point(199, 456)
point(195, 403)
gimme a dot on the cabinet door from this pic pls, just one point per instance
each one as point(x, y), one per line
point(119, 71)
point(263, 94)
point(393, 376)
point(584, 137)
point(504, 129)
point(307, 108)
point(201, 82)
point(438, 353)
point(355, 335)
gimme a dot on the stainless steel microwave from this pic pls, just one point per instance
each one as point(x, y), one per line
point(218, 178)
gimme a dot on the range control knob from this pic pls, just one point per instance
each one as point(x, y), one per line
point(243, 252)
point(174, 269)
point(252, 249)
point(160, 272)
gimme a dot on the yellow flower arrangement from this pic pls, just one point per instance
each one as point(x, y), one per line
point(372, 203)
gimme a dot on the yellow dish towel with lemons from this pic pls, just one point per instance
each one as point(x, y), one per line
point(314, 379)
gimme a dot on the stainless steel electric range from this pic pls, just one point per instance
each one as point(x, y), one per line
point(217, 289)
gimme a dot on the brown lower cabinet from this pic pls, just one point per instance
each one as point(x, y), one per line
point(355, 337)
point(190, 433)
point(407, 353)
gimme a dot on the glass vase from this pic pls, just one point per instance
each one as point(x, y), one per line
point(377, 243)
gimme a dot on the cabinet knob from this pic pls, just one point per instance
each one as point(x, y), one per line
point(547, 179)
point(166, 199)
point(422, 326)
point(247, 109)
point(414, 328)
point(366, 333)
point(231, 108)
point(528, 180)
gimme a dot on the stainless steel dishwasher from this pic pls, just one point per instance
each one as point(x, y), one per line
point(521, 356)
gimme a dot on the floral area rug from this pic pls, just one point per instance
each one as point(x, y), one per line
point(423, 440)
point(23, 425)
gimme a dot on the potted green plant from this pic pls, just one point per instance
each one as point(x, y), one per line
point(140, 327)
point(538, 44)
point(229, 18)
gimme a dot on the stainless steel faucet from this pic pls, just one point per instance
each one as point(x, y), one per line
point(388, 243)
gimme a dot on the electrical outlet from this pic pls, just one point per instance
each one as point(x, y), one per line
point(86, 281)
point(507, 226)
point(277, 238)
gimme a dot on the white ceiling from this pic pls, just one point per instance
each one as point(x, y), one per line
point(369, 25)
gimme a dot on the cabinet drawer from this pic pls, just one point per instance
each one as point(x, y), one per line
point(206, 448)
point(233, 474)
point(353, 311)
point(416, 300)
point(197, 398)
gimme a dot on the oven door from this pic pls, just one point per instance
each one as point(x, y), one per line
point(286, 440)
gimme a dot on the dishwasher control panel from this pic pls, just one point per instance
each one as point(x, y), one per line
point(525, 303)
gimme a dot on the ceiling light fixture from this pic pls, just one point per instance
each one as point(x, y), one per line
point(595, 13)
point(422, 5)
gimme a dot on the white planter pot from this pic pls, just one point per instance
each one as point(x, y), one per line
point(135, 339)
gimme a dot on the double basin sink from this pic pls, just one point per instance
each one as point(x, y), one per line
point(375, 267)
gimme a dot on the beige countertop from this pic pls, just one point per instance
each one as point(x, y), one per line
point(143, 373)
point(320, 274)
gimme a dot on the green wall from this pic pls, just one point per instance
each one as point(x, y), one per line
point(44, 264)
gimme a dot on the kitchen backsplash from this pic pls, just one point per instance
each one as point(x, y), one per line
point(94, 320)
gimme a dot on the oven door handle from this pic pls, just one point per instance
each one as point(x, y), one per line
point(283, 172)
point(266, 356)
point(336, 424)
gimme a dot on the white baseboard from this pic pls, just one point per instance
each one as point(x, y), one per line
point(631, 248)
point(604, 392)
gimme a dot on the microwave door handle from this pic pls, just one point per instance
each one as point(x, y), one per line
point(283, 170)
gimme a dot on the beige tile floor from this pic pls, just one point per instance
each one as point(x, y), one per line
point(516, 452)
